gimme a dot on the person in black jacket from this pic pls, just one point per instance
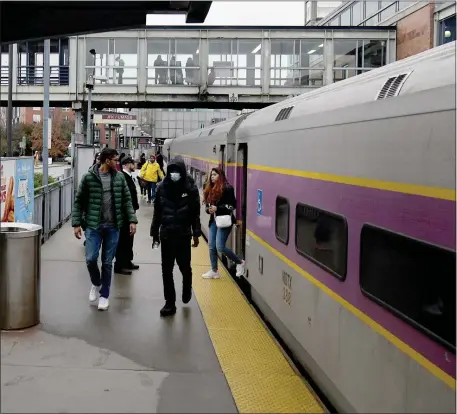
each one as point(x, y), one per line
point(159, 160)
point(219, 197)
point(124, 252)
point(175, 221)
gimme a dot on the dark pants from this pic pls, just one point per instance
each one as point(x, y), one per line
point(107, 238)
point(151, 187)
point(124, 252)
point(179, 250)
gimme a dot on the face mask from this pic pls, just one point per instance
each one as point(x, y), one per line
point(175, 176)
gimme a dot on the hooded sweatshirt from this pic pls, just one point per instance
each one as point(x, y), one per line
point(177, 206)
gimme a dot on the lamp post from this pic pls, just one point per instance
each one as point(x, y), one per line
point(90, 86)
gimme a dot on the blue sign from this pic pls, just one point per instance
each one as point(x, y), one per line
point(259, 202)
point(24, 191)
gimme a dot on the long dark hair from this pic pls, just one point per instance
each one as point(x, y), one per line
point(97, 155)
point(213, 191)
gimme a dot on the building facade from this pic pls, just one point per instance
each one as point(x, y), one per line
point(420, 25)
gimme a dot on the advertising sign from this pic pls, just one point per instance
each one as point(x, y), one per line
point(17, 192)
point(24, 192)
point(8, 169)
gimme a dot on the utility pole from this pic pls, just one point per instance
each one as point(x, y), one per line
point(46, 77)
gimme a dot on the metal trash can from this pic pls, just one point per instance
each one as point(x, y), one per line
point(20, 272)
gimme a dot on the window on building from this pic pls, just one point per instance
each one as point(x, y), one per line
point(371, 7)
point(173, 61)
point(96, 136)
point(36, 108)
point(297, 62)
point(36, 118)
point(411, 278)
point(447, 30)
point(345, 17)
point(282, 219)
point(321, 237)
point(357, 13)
point(389, 9)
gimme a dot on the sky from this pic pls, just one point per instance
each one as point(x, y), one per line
point(244, 13)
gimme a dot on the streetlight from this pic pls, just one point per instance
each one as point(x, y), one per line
point(90, 86)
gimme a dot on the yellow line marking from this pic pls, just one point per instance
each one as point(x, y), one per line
point(420, 359)
point(414, 189)
point(259, 375)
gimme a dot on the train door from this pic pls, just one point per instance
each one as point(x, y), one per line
point(222, 158)
point(241, 185)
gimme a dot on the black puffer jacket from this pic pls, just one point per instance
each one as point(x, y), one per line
point(176, 207)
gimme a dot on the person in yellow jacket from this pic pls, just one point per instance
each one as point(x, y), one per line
point(151, 172)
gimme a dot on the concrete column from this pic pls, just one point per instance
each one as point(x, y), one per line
point(204, 50)
point(142, 63)
point(266, 65)
point(73, 70)
point(328, 61)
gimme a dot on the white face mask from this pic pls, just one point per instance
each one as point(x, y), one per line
point(175, 176)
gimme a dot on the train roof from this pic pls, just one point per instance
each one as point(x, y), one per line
point(406, 76)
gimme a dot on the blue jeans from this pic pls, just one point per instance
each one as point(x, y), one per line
point(107, 237)
point(151, 190)
point(216, 242)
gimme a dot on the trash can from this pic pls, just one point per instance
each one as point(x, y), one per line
point(20, 271)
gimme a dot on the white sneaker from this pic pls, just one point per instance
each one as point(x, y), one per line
point(93, 293)
point(211, 275)
point(103, 304)
point(240, 269)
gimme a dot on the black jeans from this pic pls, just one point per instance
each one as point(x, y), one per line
point(124, 251)
point(179, 250)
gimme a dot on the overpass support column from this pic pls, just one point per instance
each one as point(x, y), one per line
point(328, 59)
point(266, 61)
point(204, 50)
point(142, 63)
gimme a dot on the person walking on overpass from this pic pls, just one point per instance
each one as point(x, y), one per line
point(175, 222)
point(219, 197)
point(124, 252)
point(102, 204)
point(151, 172)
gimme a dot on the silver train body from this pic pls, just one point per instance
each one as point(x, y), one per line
point(346, 219)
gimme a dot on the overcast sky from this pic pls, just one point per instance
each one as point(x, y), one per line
point(244, 13)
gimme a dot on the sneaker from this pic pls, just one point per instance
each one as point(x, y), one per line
point(240, 269)
point(132, 266)
point(211, 275)
point(168, 310)
point(103, 304)
point(93, 293)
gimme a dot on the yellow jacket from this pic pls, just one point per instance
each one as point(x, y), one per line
point(151, 172)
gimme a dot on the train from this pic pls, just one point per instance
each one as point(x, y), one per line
point(346, 219)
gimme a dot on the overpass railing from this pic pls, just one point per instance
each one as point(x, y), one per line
point(33, 75)
point(53, 204)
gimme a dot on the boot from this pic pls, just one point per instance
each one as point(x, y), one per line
point(168, 310)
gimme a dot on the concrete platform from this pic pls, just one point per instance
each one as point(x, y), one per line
point(125, 360)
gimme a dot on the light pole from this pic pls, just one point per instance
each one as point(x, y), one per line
point(90, 86)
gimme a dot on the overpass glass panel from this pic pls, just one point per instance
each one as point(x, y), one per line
point(173, 62)
point(353, 57)
point(297, 62)
point(115, 61)
point(235, 62)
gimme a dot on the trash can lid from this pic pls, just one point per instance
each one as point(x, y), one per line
point(19, 230)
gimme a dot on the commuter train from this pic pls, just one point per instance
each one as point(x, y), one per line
point(346, 218)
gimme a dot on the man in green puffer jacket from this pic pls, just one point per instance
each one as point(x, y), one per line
point(103, 203)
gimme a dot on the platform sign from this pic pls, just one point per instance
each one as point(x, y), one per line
point(259, 202)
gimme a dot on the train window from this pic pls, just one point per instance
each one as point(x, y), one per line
point(411, 278)
point(282, 219)
point(321, 237)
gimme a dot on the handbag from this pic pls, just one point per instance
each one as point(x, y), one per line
point(222, 222)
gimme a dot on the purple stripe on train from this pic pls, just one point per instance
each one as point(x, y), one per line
point(434, 221)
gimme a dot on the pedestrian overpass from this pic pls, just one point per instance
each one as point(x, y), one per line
point(196, 66)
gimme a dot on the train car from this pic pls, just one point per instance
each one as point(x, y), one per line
point(347, 221)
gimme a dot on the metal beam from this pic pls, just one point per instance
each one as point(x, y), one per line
point(9, 118)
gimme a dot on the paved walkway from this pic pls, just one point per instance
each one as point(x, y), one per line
point(126, 360)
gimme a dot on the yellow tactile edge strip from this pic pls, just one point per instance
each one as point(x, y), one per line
point(258, 373)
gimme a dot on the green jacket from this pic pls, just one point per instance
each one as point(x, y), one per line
point(87, 208)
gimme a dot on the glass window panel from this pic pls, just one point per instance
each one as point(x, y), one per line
point(345, 53)
point(374, 53)
point(282, 220)
point(357, 13)
point(346, 17)
point(371, 7)
point(388, 12)
point(447, 32)
point(222, 59)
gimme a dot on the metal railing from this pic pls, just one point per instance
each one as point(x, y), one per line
point(53, 204)
point(33, 75)
point(4, 70)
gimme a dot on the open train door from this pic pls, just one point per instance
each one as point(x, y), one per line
point(241, 189)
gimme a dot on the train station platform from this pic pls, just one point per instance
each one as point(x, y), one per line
point(215, 355)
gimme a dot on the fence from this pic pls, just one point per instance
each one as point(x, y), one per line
point(53, 205)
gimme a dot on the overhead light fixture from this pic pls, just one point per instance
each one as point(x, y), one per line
point(447, 33)
point(257, 49)
point(321, 45)
point(311, 51)
point(198, 50)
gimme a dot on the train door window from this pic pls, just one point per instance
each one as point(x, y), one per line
point(222, 158)
point(282, 219)
point(411, 278)
point(321, 237)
